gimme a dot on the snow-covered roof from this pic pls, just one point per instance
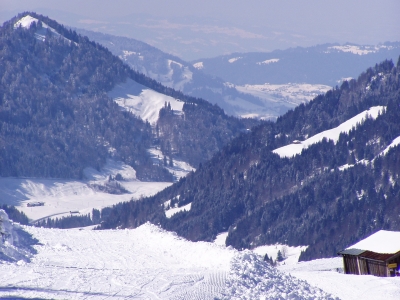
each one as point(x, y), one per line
point(382, 241)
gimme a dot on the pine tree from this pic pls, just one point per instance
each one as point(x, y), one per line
point(279, 257)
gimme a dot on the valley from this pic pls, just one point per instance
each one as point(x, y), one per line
point(234, 177)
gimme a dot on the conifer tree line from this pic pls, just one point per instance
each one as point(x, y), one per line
point(310, 199)
point(56, 118)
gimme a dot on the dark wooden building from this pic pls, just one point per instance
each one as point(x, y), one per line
point(378, 254)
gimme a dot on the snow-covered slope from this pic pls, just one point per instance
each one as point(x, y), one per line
point(144, 263)
point(142, 101)
point(15, 244)
point(331, 134)
point(189, 78)
point(61, 196)
point(27, 21)
point(394, 143)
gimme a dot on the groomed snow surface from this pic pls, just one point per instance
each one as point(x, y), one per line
point(143, 263)
point(150, 263)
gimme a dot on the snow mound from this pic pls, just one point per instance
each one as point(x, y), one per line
point(221, 239)
point(15, 244)
point(250, 278)
point(331, 134)
point(142, 101)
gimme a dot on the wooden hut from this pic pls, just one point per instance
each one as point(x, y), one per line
point(378, 254)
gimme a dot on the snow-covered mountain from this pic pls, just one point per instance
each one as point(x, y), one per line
point(77, 118)
point(324, 175)
point(261, 85)
point(173, 72)
point(327, 64)
point(42, 29)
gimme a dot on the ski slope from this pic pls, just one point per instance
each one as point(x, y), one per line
point(151, 263)
point(143, 263)
point(331, 134)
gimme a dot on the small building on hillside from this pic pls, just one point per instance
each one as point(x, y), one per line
point(378, 254)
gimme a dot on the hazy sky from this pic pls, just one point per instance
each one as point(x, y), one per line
point(194, 29)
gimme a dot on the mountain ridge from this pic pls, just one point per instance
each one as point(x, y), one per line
point(71, 77)
point(260, 198)
point(327, 64)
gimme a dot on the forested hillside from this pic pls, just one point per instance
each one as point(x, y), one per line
point(56, 118)
point(173, 72)
point(330, 195)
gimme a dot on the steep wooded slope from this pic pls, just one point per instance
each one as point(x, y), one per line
point(312, 198)
point(55, 115)
point(173, 72)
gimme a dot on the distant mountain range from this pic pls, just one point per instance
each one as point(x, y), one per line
point(173, 72)
point(261, 85)
point(327, 64)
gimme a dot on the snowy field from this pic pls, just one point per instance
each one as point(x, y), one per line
point(291, 93)
point(150, 263)
point(61, 196)
point(144, 263)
